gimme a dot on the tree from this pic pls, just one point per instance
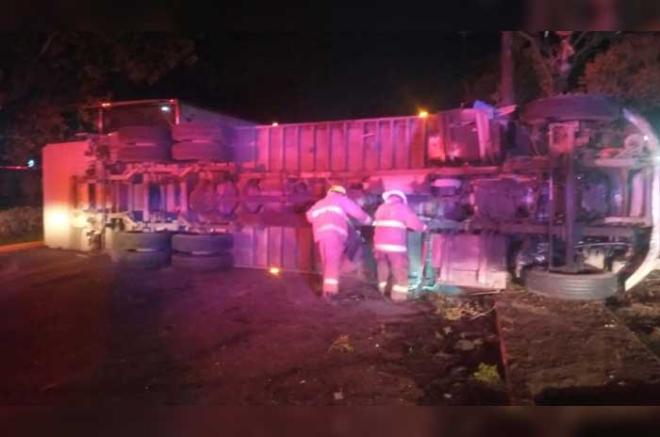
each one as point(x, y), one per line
point(629, 69)
point(558, 58)
point(44, 78)
point(545, 64)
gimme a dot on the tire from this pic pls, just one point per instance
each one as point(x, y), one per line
point(198, 132)
point(148, 135)
point(204, 263)
point(572, 107)
point(143, 260)
point(202, 243)
point(143, 241)
point(587, 286)
point(201, 151)
point(142, 154)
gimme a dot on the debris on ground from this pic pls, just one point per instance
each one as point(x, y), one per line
point(639, 310)
point(487, 374)
point(571, 352)
point(191, 347)
point(455, 308)
point(464, 345)
point(341, 344)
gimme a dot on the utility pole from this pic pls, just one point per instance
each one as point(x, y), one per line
point(507, 96)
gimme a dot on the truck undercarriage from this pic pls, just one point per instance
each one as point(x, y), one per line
point(564, 196)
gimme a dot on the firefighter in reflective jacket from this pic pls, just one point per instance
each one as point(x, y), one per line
point(392, 220)
point(329, 217)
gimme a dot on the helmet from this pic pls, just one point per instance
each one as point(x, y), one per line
point(337, 189)
point(398, 193)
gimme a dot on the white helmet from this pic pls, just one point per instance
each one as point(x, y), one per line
point(398, 193)
point(337, 189)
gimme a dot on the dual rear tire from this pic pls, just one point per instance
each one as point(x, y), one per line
point(153, 250)
point(202, 252)
point(183, 142)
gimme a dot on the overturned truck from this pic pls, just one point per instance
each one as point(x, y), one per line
point(563, 194)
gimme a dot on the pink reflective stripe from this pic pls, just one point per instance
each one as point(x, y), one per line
point(399, 289)
point(390, 224)
point(331, 227)
point(391, 248)
point(331, 281)
point(327, 209)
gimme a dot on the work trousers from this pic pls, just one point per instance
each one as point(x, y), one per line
point(331, 248)
point(396, 265)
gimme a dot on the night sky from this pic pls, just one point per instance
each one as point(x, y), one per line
point(313, 61)
point(266, 76)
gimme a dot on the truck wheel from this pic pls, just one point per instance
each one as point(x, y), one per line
point(143, 260)
point(142, 153)
point(201, 151)
point(198, 132)
point(584, 286)
point(203, 263)
point(572, 107)
point(202, 243)
point(142, 241)
point(145, 135)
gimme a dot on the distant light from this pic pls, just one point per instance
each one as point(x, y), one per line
point(106, 104)
point(275, 271)
point(275, 124)
point(422, 114)
point(165, 108)
point(30, 163)
point(646, 137)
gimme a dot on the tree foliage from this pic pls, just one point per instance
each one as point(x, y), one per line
point(629, 69)
point(44, 78)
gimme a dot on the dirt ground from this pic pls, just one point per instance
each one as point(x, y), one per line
point(640, 311)
point(77, 330)
point(562, 352)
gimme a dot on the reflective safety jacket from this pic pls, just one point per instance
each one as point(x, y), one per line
point(330, 215)
point(392, 221)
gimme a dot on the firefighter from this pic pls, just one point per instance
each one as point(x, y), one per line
point(392, 220)
point(330, 220)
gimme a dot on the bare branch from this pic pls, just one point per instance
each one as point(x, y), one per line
point(45, 46)
point(579, 39)
point(538, 56)
point(590, 45)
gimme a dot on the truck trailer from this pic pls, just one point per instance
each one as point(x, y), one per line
point(562, 194)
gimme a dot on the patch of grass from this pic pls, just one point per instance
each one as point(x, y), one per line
point(23, 238)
